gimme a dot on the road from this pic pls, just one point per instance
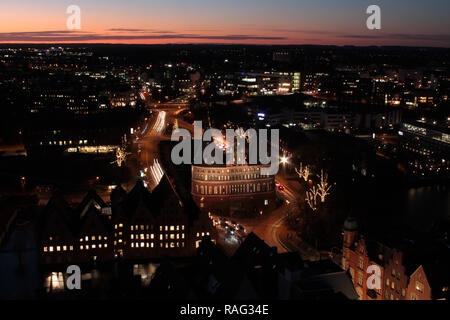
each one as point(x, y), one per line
point(149, 163)
point(271, 227)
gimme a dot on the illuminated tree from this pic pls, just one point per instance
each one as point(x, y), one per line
point(303, 172)
point(121, 154)
point(311, 198)
point(323, 186)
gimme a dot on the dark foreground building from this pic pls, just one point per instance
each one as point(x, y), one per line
point(137, 225)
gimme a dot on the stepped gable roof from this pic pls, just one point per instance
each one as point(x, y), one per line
point(140, 198)
point(378, 252)
point(118, 195)
point(165, 190)
point(58, 217)
point(91, 198)
point(93, 221)
point(127, 208)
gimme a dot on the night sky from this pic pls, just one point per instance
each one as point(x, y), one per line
point(343, 22)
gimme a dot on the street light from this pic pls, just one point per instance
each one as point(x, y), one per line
point(284, 160)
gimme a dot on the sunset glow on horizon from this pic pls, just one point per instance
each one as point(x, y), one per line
point(410, 23)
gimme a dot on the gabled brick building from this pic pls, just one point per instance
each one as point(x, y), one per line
point(137, 225)
point(403, 267)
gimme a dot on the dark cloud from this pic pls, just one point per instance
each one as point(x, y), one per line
point(400, 36)
point(138, 30)
point(79, 36)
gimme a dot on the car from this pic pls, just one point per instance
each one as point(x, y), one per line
point(281, 187)
point(277, 183)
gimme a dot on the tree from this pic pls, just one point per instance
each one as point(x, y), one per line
point(303, 172)
point(323, 186)
point(311, 198)
point(121, 154)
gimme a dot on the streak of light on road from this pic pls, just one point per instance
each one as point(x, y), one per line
point(157, 172)
point(160, 123)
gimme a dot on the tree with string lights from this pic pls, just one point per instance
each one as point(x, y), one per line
point(323, 186)
point(303, 172)
point(311, 198)
point(121, 154)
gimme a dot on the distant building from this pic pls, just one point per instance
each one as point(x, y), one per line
point(266, 83)
point(426, 139)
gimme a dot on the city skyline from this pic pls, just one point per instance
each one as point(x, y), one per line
point(254, 22)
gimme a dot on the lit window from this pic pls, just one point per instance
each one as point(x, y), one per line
point(142, 244)
point(132, 236)
point(152, 236)
point(172, 228)
point(87, 247)
point(152, 245)
point(172, 236)
point(132, 230)
point(45, 249)
point(71, 248)
point(93, 238)
point(132, 244)
point(93, 246)
point(86, 238)
point(81, 248)
point(58, 248)
point(106, 245)
point(120, 225)
point(64, 248)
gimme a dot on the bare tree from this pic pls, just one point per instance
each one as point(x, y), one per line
point(303, 172)
point(121, 154)
point(323, 186)
point(311, 198)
